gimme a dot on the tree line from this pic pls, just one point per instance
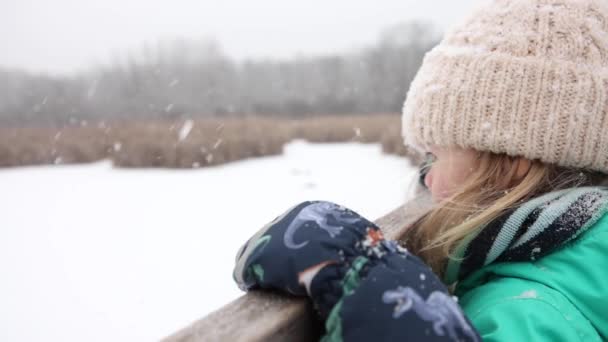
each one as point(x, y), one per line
point(185, 78)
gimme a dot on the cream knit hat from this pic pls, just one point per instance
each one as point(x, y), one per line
point(523, 77)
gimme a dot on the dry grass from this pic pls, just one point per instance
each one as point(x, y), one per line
point(208, 142)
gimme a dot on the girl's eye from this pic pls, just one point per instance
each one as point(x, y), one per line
point(429, 158)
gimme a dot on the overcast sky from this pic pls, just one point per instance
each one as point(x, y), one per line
point(59, 36)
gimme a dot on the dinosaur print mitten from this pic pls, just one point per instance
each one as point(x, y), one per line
point(364, 286)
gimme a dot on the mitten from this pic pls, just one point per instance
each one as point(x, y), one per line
point(364, 286)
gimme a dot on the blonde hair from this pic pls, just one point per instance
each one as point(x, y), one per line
point(494, 187)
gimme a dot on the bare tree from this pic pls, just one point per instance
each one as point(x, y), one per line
point(175, 78)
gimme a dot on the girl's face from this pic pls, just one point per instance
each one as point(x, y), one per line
point(449, 168)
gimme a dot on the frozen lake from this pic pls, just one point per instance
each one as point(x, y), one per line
point(92, 253)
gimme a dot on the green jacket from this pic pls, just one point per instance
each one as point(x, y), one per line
point(560, 297)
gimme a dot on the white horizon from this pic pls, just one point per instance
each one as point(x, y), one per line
point(68, 36)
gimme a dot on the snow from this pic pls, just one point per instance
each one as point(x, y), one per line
point(547, 8)
point(434, 88)
point(92, 253)
point(527, 294)
point(92, 90)
point(186, 129)
point(535, 252)
point(209, 158)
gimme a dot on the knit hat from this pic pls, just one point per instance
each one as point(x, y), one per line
point(523, 77)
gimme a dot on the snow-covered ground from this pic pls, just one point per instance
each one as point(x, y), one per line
point(92, 253)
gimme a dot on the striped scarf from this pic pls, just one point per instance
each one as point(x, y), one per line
point(531, 230)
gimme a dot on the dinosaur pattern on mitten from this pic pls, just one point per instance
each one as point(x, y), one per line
point(364, 286)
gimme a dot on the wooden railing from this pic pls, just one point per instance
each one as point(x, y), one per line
point(269, 316)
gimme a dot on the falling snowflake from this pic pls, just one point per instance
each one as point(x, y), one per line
point(527, 294)
point(186, 129)
point(92, 90)
point(434, 88)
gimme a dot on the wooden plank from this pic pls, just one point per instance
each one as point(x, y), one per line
point(269, 316)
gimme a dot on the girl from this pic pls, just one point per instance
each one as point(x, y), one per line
point(511, 109)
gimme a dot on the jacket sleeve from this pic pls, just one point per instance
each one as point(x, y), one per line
point(394, 298)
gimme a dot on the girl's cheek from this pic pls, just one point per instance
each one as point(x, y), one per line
point(435, 185)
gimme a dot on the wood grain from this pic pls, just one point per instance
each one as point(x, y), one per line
point(270, 316)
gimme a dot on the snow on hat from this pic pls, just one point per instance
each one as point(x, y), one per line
point(523, 77)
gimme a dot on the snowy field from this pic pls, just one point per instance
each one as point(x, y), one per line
point(92, 253)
